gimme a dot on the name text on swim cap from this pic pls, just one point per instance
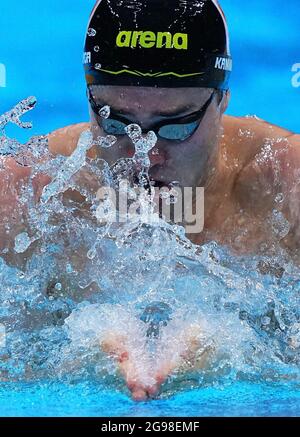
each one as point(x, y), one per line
point(148, 40)
point(223, 64)
point(87, 59)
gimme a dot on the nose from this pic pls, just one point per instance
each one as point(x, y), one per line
point(157, 156)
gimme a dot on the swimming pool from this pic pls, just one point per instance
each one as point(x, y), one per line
point(266, 384)
point(45, 60)
point(90, 400)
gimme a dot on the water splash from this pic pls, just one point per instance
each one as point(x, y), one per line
point(13, 116)
point(71, 166)
point(8, 146)
point(86, 277)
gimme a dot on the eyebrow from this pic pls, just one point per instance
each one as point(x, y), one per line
point(171, 113)
point(179, 111)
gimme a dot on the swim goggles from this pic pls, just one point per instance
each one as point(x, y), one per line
point(175, 129)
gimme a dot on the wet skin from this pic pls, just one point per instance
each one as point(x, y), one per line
point(227, 155)
point(245, 165)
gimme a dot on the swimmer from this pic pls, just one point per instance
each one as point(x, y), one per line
point(167, 68)
point(174, 80)
point(177, 84)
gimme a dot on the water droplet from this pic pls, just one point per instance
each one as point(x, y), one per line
point(106, 142)
point(91, 32)
point(265, 321)
point(174, 184)
point(164, 195)
point(69, 268)
point(280, 225)
point(96, 49)
point(91, 253)
point(134, 131)
point(104, 112)
point(172, 200)
point(58, 286)
point(98, 66)
point(174, 192)
point(279, 198)
point(22, 242)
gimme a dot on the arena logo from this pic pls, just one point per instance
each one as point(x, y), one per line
point(147, 40)
point(2, 76)
point(296, 77)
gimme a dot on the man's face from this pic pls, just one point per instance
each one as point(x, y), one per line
point(190, 161)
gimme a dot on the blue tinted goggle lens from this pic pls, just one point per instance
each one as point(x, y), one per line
point(178, 131)
point(113, 127)
point(168, 132)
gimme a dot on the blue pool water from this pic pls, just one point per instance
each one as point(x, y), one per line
point(40, 46)
point(90, 400)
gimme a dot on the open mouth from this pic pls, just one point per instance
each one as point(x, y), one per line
point(158, 184)
point(153, 182)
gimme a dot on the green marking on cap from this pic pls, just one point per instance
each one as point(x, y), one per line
point(180, 75)
point(139, 73)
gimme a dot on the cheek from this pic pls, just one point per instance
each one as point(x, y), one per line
point(187, 150)
point(124, 147)
point(95, 128)
point(209, 128)
point(202, 143)
point(121, 149)
point(203, 133)
point(192, 156)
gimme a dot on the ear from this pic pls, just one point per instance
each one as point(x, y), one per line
point(225, 101)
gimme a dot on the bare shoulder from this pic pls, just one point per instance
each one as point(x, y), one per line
point(63, 141)
point(252, 132)
point(271, 158)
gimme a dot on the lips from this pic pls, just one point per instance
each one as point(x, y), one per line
point(156, 174)
point(158, 184)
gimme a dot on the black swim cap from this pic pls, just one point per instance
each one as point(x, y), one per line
point(163, 43)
